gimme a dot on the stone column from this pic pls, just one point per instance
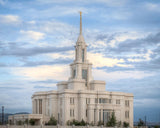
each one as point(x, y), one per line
point(44, 106)
point(85, 53)
point(66, 109)
point(90, 114)
point(96, 115)
point(38, 106)
point(33, 106)
point(81, 108)
point(79, 71)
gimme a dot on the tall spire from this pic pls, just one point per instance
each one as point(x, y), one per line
point(80, 38)
point(80, 23)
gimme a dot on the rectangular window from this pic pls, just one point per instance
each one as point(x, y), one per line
point(96, 100)
point(104, 100)
point(71, 112)
point(86, 112)
point(84, 74)
point(127, 114)
point(100, 115)
point(87, 100)
point(82, 55)
point(40, 106)
point(36, 107)
point(118, 101)
point(71, 100)
point(127, 103)
point(74, 73)
point(110, 101)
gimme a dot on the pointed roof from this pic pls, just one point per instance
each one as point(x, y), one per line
point(80, 38)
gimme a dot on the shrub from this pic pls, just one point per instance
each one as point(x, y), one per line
point(119, 124)
point(100, 123)
point(112, 121)
point(125, 124)
point(77, 123)
point(141, 122)
point(19, 122)
point(52, 121)
point(32, 122)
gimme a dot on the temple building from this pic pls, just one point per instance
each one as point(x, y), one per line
point(82, 97)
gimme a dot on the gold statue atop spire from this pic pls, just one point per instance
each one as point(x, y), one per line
point(80, 13)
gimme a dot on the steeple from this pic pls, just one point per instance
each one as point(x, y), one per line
point(80, 23)
point(80, 38)
point(81, 72)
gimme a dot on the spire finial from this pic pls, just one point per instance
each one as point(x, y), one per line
point(80, 23)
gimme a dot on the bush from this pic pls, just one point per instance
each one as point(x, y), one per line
point(141, 122)
point(19, 122)
point(52, 121)
point(100, 123)
point(112, 121)
point(32, 122)
point(119, 124)
point(125, 124)
point(77, 123)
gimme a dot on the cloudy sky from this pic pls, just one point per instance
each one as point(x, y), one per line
point(37, 39)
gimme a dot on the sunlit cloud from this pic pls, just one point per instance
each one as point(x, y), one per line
point(33, 34)
point(45, 72)
point(10, 19)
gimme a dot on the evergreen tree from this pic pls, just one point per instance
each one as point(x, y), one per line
point(112, 120)
point(52, 121)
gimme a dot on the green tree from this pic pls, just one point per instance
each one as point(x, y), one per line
point(112, 120)
point(125, 124)
point(52, 121)
point(100, 123)
point(32, 122)
point(82, 123)
point(141, 122)
point(119, 124)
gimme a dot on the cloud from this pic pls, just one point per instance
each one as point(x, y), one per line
point(22, 50)
point(99, 60)
point(117, 75)
point(153, 6)
point(2, 2)
point(45, 72)
point(10, 19)
point(33, 35)
point(106, 2)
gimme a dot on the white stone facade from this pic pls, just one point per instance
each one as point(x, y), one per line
point(82, 97)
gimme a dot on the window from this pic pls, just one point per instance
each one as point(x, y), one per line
point(127, 114)
point(118, 101)
point(74, 73)
point(84, 74)
point(71, 100)
point(127, 103)
point(71, 112)
point(82, 55)
point(86, 112)
point(100, 115)
point(87, 100)
point(104, 100)
point(36, 107)
point(96, 100)
point(40, 106)
point(109, 101)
